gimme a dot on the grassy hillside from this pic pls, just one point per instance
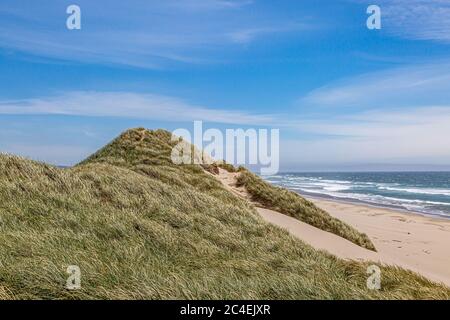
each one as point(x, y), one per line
point(140, 227)
point(150, 155)
point(292, 204)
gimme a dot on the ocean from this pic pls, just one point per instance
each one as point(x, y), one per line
point(421, 192)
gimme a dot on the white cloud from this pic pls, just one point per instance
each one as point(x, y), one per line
point(208, 4)
point(405, 136)
point(250, 34)
point(412, 136)
point(407, 86)
point(397, 116)
point(128, 105)
point(417, 19)
point(144, 34)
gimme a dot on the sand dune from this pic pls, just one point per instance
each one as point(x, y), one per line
point(406, 240)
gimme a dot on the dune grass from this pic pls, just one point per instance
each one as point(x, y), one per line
point(292, 204)
point(140, 227)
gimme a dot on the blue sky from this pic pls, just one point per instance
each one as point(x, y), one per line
point(344, 97)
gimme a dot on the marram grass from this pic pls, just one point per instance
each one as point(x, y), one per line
point(141, 228)
point(292, 204)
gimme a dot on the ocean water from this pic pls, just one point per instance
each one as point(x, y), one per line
point(422, 192)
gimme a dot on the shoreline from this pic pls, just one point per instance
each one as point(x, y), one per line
point(356, 202)
point(425, 193)
point(405, 239)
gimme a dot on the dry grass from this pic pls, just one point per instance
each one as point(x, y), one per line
point(142, 228)
point(292, 204)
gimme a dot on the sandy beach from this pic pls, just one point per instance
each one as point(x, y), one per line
point(411, 241)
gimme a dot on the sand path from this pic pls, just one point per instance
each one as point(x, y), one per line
point(406, 240)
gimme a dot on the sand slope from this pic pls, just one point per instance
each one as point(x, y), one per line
point(317, 238)
point(412, 241)
point(406, 240)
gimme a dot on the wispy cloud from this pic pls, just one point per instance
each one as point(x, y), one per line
point(208, 4)
point(145, 34)
point(413, 136)
point(395, 116)
point(250, 34)
point(129, 105)
point(416, 19)
point(407, 86)
point(420, 19)
point(407, 135)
